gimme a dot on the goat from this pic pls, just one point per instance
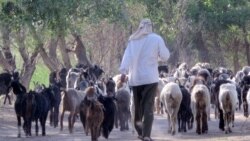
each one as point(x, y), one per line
point(71, 78)
point(54, 110)
point(205, 74)
point(123, 103)
point(171, 98)
point(246, 70)
point(62, 74)
point(185, 115)
point(215, 90)
point(110, 86)
point(228, 101)
point(95, 72)
point(91, 113)
point(109, 114)
point(37, 107)
point(245, 85)
point(20, 91)
point(71, 102)
point(158, 107)
point(163, 70)
point(5, 81)
point(200, 103)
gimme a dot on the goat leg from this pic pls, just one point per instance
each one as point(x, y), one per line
point(204, 122)
point(7, 96)
point(19, 126)
point(61, 122)
point(56, 114)
point(179, 123)
point(37, 127)
point(43, 122)
point(51, 117)
point(198, 123)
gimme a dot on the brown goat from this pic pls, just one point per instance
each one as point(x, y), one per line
point(92, 110)
point(94, 119)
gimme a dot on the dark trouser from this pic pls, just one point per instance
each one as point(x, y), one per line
point(144, 96)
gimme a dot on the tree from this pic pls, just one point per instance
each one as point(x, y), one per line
point(218, 16)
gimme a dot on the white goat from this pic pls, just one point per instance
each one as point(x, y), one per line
point(200, 105)
point(71, 78)
point(228, 102)
point(171, 97)
point(162, 82)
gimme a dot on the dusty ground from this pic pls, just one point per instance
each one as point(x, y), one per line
point(8, 130)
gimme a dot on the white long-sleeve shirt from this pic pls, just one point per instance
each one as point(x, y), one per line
point(140, 60)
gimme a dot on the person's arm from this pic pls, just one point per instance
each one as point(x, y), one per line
point(125, 61)
point(163, 50)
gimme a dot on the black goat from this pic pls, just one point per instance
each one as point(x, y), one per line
point(110, 85)
point(109, 114)
point(20, 91)
point(54, 109)
point(37, 107)
point(5, 83)
point(245, 85)
point(62, 77)
point(185, 116)
point(163, 70)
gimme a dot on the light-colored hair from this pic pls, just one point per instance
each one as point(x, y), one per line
point(144, 28)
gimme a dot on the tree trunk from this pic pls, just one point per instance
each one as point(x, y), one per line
point(80, 51)
point(29, 69)
point(29, 63)
point(235, 55)
point(247, 45)
point(65, 55)
point(202, 50)
point(7, 59)
point(180, 47)
point(53, 47)
point(217, 49)
point(50, 61)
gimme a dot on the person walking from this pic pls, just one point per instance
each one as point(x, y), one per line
point(140, 63)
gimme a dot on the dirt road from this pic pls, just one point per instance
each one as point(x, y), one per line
point(8, 130)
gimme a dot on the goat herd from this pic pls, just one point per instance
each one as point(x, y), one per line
point(188, 93)
point(185, 95)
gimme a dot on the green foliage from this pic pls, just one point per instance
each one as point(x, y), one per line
point(218, 14)
point(10, 14)
point(163, 14)
point(41, 75)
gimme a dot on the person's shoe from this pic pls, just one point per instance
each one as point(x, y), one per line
point(147, 139)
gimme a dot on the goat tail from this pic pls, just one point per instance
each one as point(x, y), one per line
point(199, 95)
point(227, 97)
point(172, 98)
